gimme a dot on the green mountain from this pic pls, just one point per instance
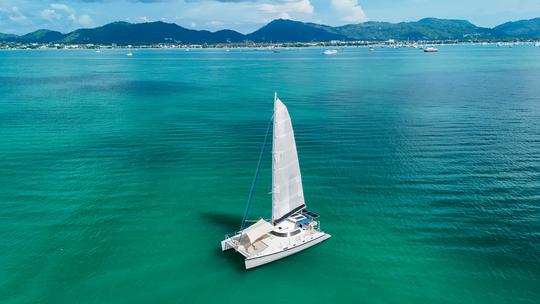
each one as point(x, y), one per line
point(124, 33)
point(280, 30)
point(425, 29)
point(523, 29)
point(6, 36)
point(41, 36)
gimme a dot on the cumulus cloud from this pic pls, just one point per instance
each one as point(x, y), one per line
point(50, 15)
point(284, 9)
point(56, 12)
point(85, 20)
point(216, 23)
point(62, 7)
point(13, 14)
point(350, 10)
point(301, 6)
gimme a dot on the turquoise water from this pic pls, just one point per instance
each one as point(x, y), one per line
point(120, 175)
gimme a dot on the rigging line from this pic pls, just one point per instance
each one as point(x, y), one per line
point(254, 183)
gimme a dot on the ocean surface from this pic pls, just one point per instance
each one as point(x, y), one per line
point(120, 175)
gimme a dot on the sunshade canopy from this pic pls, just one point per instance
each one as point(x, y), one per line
point(257, 230)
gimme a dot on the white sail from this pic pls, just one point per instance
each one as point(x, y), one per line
point(287, 192)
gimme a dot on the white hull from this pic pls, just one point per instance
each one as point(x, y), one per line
point(329, 52)
point(258, 261)
point(253, 261)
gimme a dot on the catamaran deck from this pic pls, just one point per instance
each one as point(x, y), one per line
point(290, 236)
point(273, 248)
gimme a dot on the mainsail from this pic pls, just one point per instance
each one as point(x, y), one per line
point(287, 192)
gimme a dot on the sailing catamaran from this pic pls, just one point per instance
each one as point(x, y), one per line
point(292, 228)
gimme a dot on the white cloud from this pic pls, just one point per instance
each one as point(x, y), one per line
point(284, 9)
point(62, 7)
point(85, 20)
point(350, 10)
point(56, 12)
point(50, 14)
point(13, 14)
point(216, 23)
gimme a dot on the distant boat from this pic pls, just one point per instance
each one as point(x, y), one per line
point(129, 54)
point(431, 50)
point(329, 52)
point(371, 49)
point(293, 228)
point(98, 51)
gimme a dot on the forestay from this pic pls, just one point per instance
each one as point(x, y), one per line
point(287, 192)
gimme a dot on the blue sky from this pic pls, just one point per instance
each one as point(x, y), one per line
point(22, 16)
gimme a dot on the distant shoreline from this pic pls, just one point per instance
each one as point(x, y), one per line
point(331, 44)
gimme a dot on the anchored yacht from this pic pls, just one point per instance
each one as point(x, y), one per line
point(292, 228)
point(329, 52)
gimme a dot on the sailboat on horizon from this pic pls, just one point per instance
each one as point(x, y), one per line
point(292, 228)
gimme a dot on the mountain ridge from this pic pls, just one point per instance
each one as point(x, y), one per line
point(522, 29)
point(284, 30)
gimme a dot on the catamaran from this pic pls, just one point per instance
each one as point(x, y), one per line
point(292, 228)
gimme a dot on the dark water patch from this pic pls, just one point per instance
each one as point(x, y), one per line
point(233, 259)
point(21, 81)
point(226, 221)
point(101, 83)
point(140, 87)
